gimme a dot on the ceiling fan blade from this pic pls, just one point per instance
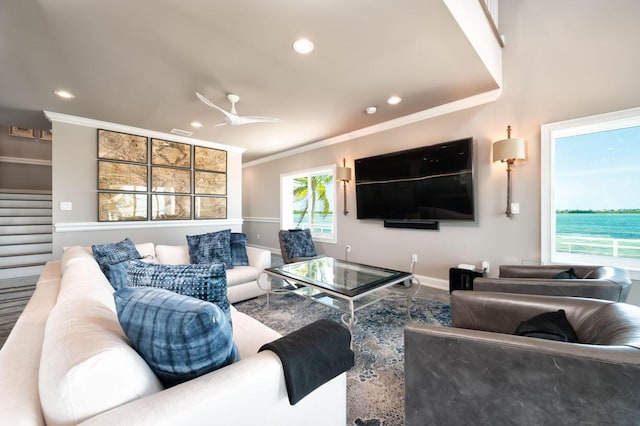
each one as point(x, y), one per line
point(212, 105)
point(233, 119)
point(254, 119)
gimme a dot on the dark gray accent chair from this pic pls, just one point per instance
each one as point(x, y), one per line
point(478, 373)
point(598, 282)
point(297, 245)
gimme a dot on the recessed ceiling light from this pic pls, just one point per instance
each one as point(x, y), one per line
point(394, 100)
point(371, 110)
point(302, 46)
point(196, 124)
point(64, 94)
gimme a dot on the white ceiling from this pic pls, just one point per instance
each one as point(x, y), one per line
point(139, 63)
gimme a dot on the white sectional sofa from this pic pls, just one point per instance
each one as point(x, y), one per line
point(67, 361)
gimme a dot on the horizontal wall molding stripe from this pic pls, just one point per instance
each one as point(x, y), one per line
point(88, 122)
point(462, 104)
point(108, 226)
point(30, 161)
point(263, 219)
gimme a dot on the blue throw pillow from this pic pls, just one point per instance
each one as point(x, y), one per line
point(299, 243)
point(239, 249)
point(117, 274)
point(178, 336)
point(214, 247)
point(110, 254)
point(207, 282)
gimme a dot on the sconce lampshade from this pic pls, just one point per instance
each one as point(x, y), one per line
point(509, 149)
point(343, 174)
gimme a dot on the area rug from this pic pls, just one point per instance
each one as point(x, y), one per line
point(375, 386)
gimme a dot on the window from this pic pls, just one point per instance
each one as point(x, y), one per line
point(308, 202)
point(590, 197)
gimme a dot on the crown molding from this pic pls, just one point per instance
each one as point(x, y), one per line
point(459, 105)
point(89, 122)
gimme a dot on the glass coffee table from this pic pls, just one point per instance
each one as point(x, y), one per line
point(346, 286)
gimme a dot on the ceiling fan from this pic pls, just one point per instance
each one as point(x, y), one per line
point(231, 117)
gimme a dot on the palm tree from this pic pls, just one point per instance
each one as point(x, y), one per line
point(306, 201)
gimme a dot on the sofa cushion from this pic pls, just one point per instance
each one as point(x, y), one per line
point(241, 275)
point(147, 251)
point(109, 254)
point(213, 247)
point(239, 249)
point(83, 342)
point(206, 282)
point(180, 337)
point(173, 255)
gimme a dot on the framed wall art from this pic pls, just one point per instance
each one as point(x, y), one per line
point(170, 207)
point(122, 147)
point(121, 206)
point(210, 208)
point(210, 183)
point(142, 179)
point(116, 176)
point(168, 179)
point(165, 153)
point(209, 159)
point(45, 135)
point(21, 132)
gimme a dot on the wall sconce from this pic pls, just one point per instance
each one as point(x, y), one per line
point(343, 174)
point(508, 151)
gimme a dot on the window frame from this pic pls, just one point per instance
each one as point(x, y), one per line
point(286, 198)
point(549, 133)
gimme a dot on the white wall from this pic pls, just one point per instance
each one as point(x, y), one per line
point(562, 60)
point(75, 180)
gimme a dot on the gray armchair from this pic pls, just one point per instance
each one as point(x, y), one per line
point(598, 282)
point(477, 373)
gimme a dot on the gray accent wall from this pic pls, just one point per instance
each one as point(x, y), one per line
point(21, 176)
point(562, 60)
point(75, 180)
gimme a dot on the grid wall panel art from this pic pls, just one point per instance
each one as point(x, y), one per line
point(142, 179)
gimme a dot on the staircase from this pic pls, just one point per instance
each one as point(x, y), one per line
point(25, 233)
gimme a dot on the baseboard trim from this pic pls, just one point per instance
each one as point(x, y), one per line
point(432, 282)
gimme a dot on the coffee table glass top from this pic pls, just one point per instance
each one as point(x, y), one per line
point(340, 276)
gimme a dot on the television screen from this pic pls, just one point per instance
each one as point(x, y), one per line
point(433, 182)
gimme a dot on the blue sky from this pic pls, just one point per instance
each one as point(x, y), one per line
point(598, 170)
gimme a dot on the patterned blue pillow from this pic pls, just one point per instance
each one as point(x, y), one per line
point(117, 274)
point(110, 254)
point(298, 243)
point(207, 282)
point(239, 249)
point(214, 247)
point(178, 336)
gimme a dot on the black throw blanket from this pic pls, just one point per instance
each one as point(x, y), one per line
point(312, 355)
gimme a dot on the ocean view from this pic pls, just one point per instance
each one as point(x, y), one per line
point(607, 234)
point(612, 225)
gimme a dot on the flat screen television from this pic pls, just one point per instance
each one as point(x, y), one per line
point(430, 183)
